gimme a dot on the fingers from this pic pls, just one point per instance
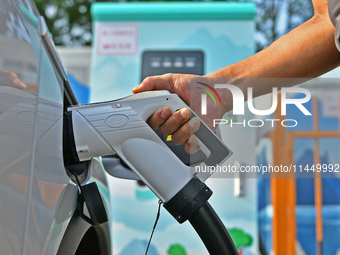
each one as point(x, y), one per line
point(18, 84)
point(167, 122)
point(191, 146)
point(32, 87)
point(161, 82)
point(8, 78)
point(176, 124)
point(181, 129)
point(183, 134)
point(159, 117)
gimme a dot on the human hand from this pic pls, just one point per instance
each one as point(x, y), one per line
point(11, 79)
point(178, 124)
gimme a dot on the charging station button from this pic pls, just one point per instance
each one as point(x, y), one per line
point(178, 64)
point(190, 64)
point(155, 64)
point(167, 64)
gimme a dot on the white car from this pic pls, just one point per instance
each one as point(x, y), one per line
point(42, 208)
point(50, 205)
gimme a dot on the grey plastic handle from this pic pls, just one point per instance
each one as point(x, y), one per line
point(147, 103)
point(102, 128)
point(120, 126)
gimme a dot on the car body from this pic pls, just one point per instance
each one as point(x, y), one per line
point(39, 197)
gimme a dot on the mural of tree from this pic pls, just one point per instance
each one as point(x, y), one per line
point(176, 249)
point(240, 238)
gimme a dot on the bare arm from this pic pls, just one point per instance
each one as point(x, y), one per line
point(306, 52)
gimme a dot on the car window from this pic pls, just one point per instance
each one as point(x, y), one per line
point(16, 52)
point(48, 174)
point(18, 68)
point(32, 176)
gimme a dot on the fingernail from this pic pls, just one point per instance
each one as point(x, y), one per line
point(194, 122)
point(19, 83)
point(191, 138)
point(164, 114)
point(136, 88)
point(185, 113)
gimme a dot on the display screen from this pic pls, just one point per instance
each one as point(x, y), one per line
point(161, 62)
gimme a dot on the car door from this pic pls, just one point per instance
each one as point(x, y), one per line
point(17, 118)
point(33, 180)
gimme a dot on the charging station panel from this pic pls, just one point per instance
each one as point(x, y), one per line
point(135, 40)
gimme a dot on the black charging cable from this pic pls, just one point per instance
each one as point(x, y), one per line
point(154, 226)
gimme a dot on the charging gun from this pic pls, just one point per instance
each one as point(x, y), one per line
point(120, 127)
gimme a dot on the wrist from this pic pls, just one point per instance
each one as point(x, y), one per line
point(224, 93)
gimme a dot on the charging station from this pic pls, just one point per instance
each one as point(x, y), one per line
point(136, 40)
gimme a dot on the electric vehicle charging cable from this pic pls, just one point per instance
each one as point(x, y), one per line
point(210, 229)
point(154, 225)
point(119, 127)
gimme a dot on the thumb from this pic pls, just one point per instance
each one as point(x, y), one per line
point(162, 82)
